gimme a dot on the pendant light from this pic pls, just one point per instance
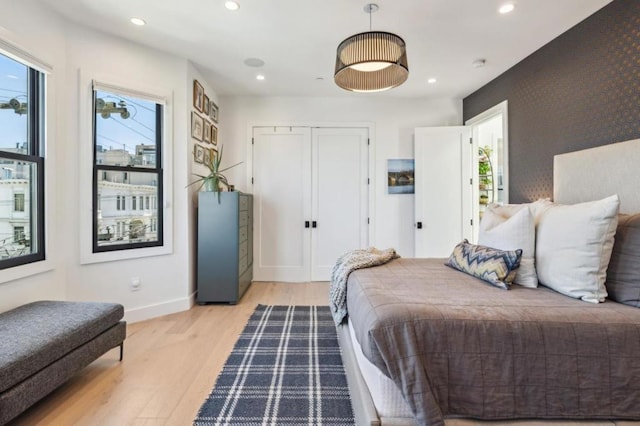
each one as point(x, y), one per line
point(372, 61)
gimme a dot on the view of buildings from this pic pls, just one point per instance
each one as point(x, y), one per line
point(127, 201)
point(15, 206)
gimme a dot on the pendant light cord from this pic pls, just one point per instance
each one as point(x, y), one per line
point(370, 8)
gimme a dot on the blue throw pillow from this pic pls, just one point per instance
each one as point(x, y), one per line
point(497, 267)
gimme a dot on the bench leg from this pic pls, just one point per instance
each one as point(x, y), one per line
point(121, 350)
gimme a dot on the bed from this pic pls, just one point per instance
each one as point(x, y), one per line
point(424, 342)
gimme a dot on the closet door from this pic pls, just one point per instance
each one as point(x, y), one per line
point(282, 199)
point(311, 200)
point(339, 196)
point(442, 190)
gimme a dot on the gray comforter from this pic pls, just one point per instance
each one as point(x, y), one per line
point(456, 346)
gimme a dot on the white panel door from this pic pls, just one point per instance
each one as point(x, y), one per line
point(339, 196)
point(282, 203)
point(441, 167)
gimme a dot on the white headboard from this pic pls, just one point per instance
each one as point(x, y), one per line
point(596, 173)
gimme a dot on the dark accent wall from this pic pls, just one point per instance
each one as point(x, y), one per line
point(579, 91)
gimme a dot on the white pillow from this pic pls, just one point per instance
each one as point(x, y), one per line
point(573, 247)
point(538, 207)
point(510, 228)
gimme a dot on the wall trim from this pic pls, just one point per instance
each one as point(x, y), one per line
point(160, 309)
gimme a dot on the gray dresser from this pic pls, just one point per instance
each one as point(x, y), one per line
point(225, 246)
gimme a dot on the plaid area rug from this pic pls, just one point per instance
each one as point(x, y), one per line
point(285, 369)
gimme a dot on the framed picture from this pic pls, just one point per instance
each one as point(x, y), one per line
point(198, 96)
point(197, 126)
point(213, 153)
point(400, 176)
point(214, 134)
point(207, 131)
point(213, 111)
point(198, 153)
point(206, 159)
point(206, 105)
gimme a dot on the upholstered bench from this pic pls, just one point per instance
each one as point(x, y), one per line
point(42, 344)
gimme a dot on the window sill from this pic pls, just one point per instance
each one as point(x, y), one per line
point(112, 256)
point(24, 271)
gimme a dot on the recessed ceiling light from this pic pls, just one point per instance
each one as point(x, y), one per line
point(260, 77)
point(254, 62)
point(13, 77)
point(506, 8)
point(232, 5)
point(319, 78)
point(431, 80)
point(138, 21)
point(479, 63)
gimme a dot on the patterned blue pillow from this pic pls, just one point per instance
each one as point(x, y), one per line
point(497, 267)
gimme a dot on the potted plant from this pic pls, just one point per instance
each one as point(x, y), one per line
point(213, 181)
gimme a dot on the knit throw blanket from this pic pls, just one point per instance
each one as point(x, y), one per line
point(345, 265)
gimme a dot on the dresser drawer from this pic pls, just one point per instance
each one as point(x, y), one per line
point(244, 218)
point(243, 286)
point(242, 265)
point(243, 203)
point(244, 282)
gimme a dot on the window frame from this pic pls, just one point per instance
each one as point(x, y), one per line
point(99, 168)
point(36, 139)
point(131, 86)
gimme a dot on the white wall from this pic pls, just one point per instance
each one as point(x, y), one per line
point(393, 119)
point(164, 279)
point(78, 53)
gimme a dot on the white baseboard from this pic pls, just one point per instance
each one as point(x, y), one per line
point(165, 308)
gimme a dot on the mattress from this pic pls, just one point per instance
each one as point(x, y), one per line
point(385, 394)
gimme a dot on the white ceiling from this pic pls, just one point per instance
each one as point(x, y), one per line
point(297, 39)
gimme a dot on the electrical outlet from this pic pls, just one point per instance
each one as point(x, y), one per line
point(135, 283)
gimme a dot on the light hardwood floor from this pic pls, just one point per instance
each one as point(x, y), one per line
point(170, 365)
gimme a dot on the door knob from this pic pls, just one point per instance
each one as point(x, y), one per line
point(314, 224)
point(419, 225)
point(306, 223)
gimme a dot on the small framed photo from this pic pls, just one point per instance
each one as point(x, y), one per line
point(198, 153)
point(213, 111)
point(206, 137)
point(213, 153)
point(197, 126)
point(214, 134)
point(207, 156)
point(206, 106)
point(400, 176)
point(198, 96)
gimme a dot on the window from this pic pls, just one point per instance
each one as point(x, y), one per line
point(21, 163)
point(18, 233)
point(18, 202)
point(127, 141)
